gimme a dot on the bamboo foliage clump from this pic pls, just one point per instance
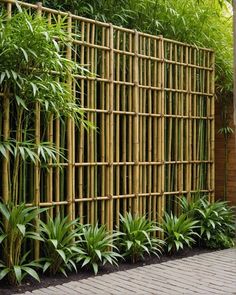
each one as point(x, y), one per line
point(152, 102)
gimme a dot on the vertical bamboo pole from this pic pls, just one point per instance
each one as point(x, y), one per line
point(70, 147)
point(50, 168)
point(91, 135)
point(188, 97)
point(161, 131)
point(141, 74)
point(37, 163)
point(149, 146)
point(130, 119)
point(123, 104)
point(136, 124)
point(212, 91)
point(181, 147)
point(155, 133)
point(108, 169)
point(81, 131)
point(144, 120)
point(190, 136)
point(194, 122)
point(111, 124)
point(6, 131)
point(177, 148)
point(88, 148)
point(57, 145)
point(117, 132)
point(170, 127)
point(103, 130)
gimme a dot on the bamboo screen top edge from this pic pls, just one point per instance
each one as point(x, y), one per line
point(74, 16)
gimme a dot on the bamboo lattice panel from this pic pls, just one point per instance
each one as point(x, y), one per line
point(152, 101)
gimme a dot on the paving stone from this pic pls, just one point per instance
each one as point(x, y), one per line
point(206, 274)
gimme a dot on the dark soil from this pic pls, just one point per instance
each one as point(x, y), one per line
point(46, 281)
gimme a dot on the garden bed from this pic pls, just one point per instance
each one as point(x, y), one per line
point(46, 281)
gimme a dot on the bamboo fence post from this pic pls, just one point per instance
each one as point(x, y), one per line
point(70, 146)
point(6, 131)
point(155, 133)
point(188, 97)
point(37, 163)
point(111, 124)
point(88, 98)
point(103, 145)
point(81, 132)
point(117, 132)
point(149, 133)
point(190, 124)
point(123, 106)
point(181, 144)
point(141, 126)
point(161, 131)
point(194, 122)
point(49, 187)
point(143, 139)
point(170, 125)
point(212, 92)
point(91, 133)
point(130, 119)
point(107, 139)
point(136, 124)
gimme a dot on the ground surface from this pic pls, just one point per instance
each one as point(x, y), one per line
point(207, 273)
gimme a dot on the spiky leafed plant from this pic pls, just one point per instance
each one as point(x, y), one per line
point(137, 237)
point(97, 245)
point(15, 229)
point(60, 248)
point(179, 231)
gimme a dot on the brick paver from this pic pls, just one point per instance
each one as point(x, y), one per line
point(210, 273)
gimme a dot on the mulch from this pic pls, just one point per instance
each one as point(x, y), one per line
point(46, 281)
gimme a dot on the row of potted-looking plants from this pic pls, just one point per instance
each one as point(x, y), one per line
point(68, 245)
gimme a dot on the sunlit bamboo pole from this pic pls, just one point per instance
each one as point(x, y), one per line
point(111, 126)
point(81, 131)
point(136, 125)
point(117, 130)
point(69, 134)
point(6, 131)
point(37, 163)
point(141, 95)
point(103, 130)
point(212, 90)
point(124, 127)
point(91, 133)
point(130, 123)
point(155, 134)
point(149, 133)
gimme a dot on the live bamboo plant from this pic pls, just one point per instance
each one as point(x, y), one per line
point(33, 71)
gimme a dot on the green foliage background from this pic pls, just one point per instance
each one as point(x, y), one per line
point(205, 23)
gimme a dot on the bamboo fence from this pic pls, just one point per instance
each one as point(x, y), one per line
point(152, 101)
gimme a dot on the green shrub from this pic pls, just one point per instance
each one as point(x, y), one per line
point(179, 231)
point(97, 247)
point(137, 238)
point(15, 229)
point(60, 246)
point(216, 222)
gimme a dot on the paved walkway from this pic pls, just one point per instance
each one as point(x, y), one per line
point(210, 273)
